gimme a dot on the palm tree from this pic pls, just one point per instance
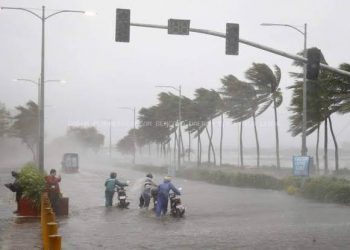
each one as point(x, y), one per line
point(266, 83)
point(325, 96)
point(209, 104)
point(25, 126)
point(196, 126)
point(241, 103)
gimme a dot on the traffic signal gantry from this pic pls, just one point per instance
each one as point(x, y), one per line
point(175, 27)
point(182, 27)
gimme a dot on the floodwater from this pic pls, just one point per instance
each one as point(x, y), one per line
point(217, 217)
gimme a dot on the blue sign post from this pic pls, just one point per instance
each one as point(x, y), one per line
point(301, 165)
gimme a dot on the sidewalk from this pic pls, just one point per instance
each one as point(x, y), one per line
point(15, 233)
point(22, 233)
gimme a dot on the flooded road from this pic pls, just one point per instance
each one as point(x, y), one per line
point(217, 217)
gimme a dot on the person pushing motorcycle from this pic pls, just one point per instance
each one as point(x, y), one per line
point(145, 196)
point(110, 184)
point(163, 195)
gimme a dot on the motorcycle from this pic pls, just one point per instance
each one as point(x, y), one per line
point(122, 201)
point(177, 209)
point(154, 194)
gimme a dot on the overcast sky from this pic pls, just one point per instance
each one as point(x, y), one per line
point(103, 75)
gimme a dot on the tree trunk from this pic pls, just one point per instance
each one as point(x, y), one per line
point(241, 144)
point(182, 149)
point(161, 149)
point(325, 146)
point(257, 142)
point(33, 152)
point(211, 141)
point(277, 135)
point(317, 148)
point(175, 142)
point(221, 137)
point(164, 150)
point(335, 145)
point(189, 146)
point(209, 146)
point(199, 149)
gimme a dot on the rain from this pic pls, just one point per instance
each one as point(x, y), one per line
point(229, 118)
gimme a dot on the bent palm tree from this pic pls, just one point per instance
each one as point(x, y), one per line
point(266, 83)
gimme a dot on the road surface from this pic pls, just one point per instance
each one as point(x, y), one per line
point(217, 217)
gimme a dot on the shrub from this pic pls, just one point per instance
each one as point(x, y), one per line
point(232, 179)
point(327, 189)
point(32, 181)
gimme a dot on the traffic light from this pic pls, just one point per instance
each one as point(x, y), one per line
point(178, 27)
point(122, 32)
point(313, 63)
point(232, 38)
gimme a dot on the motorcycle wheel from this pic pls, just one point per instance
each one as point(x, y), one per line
point(122, 203)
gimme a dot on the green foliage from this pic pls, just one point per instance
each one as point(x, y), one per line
point(87, 137)
point(4, 120)
point(126, 144)
point(32, 181)
point(327, 189)
point(324, 189)
point(343, 171)
point(221, 178)
point(294, 181)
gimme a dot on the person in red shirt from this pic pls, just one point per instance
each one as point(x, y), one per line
point(53, 189)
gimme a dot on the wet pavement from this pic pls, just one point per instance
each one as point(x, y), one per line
point(217, 217)
point(15, 233)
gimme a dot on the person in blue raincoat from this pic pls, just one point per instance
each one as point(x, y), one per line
point(110, 184)
point(163, 196)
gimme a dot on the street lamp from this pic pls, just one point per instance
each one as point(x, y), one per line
point(43, 18)
point(134, 131)
point(304, 33)
point(179, 124)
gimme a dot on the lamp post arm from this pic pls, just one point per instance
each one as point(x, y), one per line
point(285, 25)
point(167, 86)
point(26, 80)
point(24, 9)
point(64, 11)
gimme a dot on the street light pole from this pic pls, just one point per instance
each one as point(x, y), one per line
point(179, 125)
point(41, 104)
point(304, 115)
point(134, 159)
point(134, 132)
point(180, 135)
point(304, 147)
point(38, 83)
point(110, 138)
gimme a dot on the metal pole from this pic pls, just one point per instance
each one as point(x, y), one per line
point(304, 147)
point(249, 43)
point(110, 138)
point(42, 97)
point(39, 101)
point(134, 159)
point(179, 142)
